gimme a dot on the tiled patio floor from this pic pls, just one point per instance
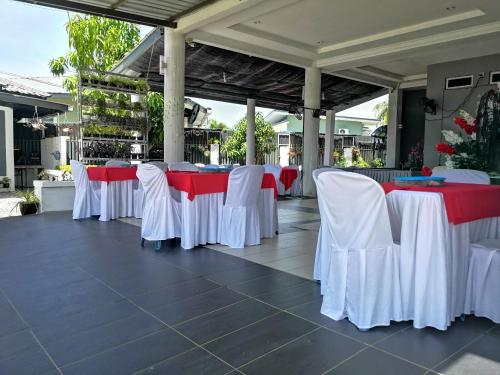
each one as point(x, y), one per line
point(85, 298)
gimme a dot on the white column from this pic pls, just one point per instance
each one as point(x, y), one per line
point(250, 156)
point(312, 100)
point(394, 129)
point(173, 115)
point(329, 137)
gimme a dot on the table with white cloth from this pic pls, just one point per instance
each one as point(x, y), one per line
point(117, 186)
point(202, 198)
point(435, 226)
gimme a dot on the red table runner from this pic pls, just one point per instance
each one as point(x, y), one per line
point(287, 176)
point(210, 183)
point(108, 174)
point(463, 202)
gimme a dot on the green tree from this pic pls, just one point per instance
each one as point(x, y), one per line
point(95, 43)
point(214, 124)
point(265, 139)
point(381, 111)
point(155, 114)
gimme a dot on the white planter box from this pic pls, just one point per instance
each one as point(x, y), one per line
point(55, 195)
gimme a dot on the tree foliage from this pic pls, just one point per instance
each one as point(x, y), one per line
point(219, 125)
point(265, 139)
point(381, 111)
point(155, 113)
point(95, 43)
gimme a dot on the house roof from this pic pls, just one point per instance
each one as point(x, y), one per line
point(33, 86)
point(223, 75)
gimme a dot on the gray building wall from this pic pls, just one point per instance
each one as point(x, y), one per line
point(449, 100)
point(3, 153)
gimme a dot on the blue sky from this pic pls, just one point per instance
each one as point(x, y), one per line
point(31, 35)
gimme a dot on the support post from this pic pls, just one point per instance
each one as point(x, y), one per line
point(329, 137)
point(312, 100)
point(394, 128)
point(250, 155)
point(173, 90)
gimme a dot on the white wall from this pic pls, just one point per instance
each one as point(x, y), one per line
point(49, 147)
point(9, 144)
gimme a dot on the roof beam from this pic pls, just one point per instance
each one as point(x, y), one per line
point(372, 55)
point(30, 101)
point(361, 77)
point(211, 13)
point(75, 6)
point(361, 100)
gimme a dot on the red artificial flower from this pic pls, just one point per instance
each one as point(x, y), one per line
point(426, 171)
point(469, 129)
point(444, 148)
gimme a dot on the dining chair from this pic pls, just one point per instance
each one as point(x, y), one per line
point(87, 195)
point(322, 258)
point(183, 166)
point(161, 216)
point(160, 164)
point(482, 296)
point(466, 176)
point(240, 222)
point(117, 163)
point(362, 280)
point(275, 170)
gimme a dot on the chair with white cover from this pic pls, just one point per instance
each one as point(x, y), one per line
point(362, 280)
point(161, 216)
point(160, 164)
point(87, 195)
point(183, 166)
point(139, 190)
point(275, 170)
point(240, 222)
point(296, 188)
point(483, 280)
point(322, 258)
point(465, 176)
point(117, 163)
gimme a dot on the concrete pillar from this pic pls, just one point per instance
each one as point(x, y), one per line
point(394, 128)
point(329, 137)
point(173, 115)
point(312, 100)
point(250, 156)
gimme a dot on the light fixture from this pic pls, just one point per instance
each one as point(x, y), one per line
point(35, 123)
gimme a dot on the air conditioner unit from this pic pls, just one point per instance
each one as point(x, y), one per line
point(343, 131)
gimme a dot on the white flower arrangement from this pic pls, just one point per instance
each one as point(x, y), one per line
point(451, 137)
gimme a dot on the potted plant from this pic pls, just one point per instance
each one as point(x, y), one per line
point(28, 204)
point(6, 182)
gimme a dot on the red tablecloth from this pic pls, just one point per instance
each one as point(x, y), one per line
point(287, 176)
point(108, 174)
point(210, 183)
point(463, 202)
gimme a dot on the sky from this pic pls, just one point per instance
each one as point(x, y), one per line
point(32, 35)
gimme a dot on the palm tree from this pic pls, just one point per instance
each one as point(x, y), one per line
point(381, 111)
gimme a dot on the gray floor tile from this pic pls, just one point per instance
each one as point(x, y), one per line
point(133, 356)
point(482, 357)
point(292, 296)
point(192, 307)
point(375, 362)
point(314, 353)
point(193, 362)
point(224, 321)
point(84, 344)
point(229, 277)
point(10, 321)
point(251, 342)
point(312, 311)
point(428, 346)
point(277, 280)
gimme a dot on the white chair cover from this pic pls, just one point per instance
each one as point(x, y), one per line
point(466, 176)
point(362, 282)
point(161, 217)
point(296, 188)
point(268, 209)
point(160, 164)
point(184, 166)
point(275, 170)
point(117, 163)
point(240, 224)
point(87, 194)
point(322, 259)
point(483, 280)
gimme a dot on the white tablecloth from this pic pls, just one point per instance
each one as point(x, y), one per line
point(434, 256)
point(117, 199)
point(201, 217)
